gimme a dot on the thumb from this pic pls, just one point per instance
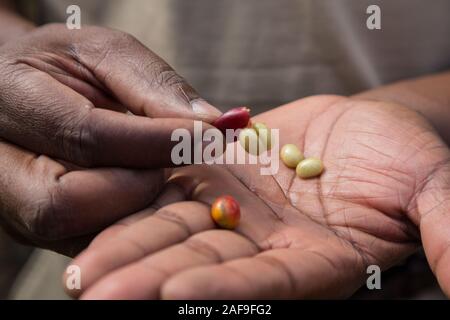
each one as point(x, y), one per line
point(433, 205)
point(141, 80)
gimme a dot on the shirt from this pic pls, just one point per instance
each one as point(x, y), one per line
point(264, 53)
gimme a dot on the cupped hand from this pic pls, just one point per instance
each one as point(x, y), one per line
point(75, 99)
point(385, 191)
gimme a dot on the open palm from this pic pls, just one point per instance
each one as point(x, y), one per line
point(385, 189)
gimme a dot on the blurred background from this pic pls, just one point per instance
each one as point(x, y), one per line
point(303, 63)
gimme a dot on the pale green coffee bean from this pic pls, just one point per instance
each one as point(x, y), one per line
point(291, 155)
point(309, 168)
point(248, 138)
point(259, 126)
point(264, 136)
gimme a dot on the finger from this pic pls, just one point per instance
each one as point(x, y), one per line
point(274, 274)
point(433, 205)
point(63, 124)
point(92, 91)
point(117, 64)
point(171, 194)
point(204, 248)
point(168, 226)
point(106, 195)
point(46, 203)
point(152, 235)
point(140, 79)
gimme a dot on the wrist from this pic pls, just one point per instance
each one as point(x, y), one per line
point(429, 96)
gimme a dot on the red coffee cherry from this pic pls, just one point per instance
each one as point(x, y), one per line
point(236, 118)
point(225, 212)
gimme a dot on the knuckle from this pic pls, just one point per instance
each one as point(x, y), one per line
point(38, 223)
point(76, 139)
point(42, 221)
point(204, 248)
point(166, 77)
point(159, 73)
point(172, 216)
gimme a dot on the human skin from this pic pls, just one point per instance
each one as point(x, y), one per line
point(385, 191)
point(11, 24)
point(62, 204)
point(429, 95)
point(73, 158)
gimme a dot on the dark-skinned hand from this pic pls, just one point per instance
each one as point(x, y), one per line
point(384, 193)
point(86, 118)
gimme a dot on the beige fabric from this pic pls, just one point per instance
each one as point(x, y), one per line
point(41, 277)
point(263, 53)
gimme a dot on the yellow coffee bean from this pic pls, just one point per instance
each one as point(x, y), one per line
point(248, 138)
point(291, 155)
point(309, 168)
point(264, 136)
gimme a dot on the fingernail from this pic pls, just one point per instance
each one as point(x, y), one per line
point(204, 110)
